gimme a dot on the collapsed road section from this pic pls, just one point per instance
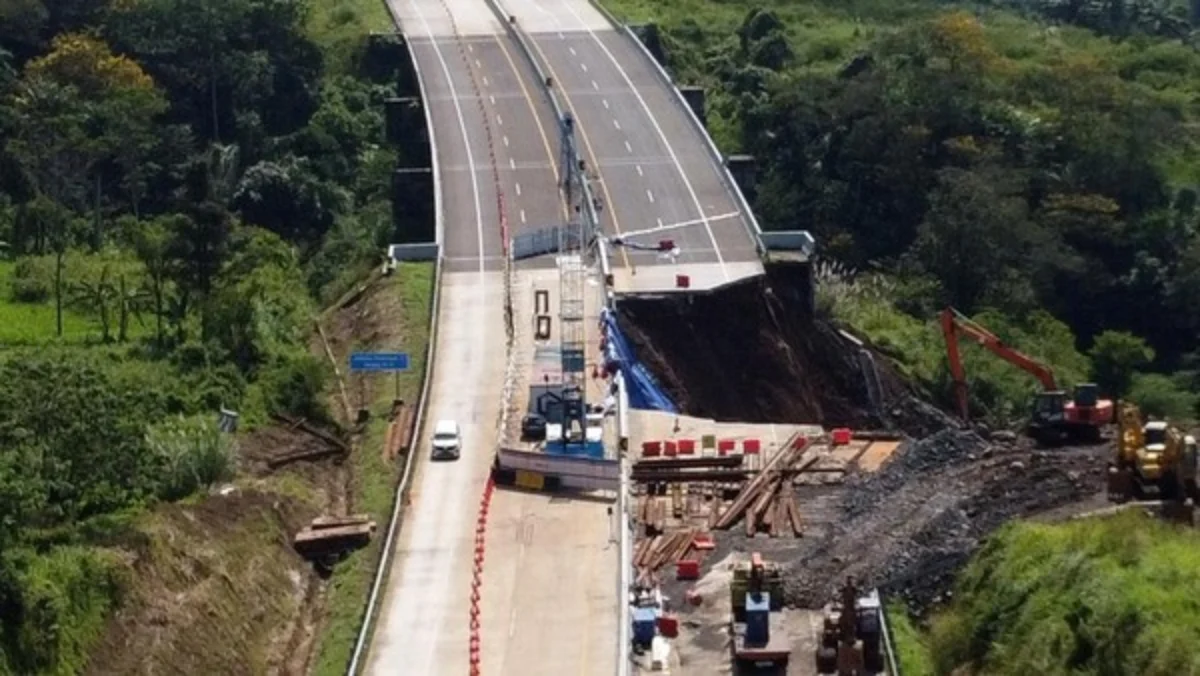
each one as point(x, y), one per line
point(766, 428)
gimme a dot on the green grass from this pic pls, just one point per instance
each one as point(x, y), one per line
point(912, 649)
point(1118, 595)
point(339, 27)
point(376, 480)
point(23, 324)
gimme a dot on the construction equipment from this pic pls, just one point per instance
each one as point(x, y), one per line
point(1153, 459)
point(1056, 417)
point(852, 635)
point(756, 643)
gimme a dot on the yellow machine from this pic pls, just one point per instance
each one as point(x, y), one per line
point(1153, 460)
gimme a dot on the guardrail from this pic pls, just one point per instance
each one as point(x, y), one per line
point(381, 572)
point(889, 646)
point(752, 226)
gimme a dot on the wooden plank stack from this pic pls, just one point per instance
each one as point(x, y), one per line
point(332, 535)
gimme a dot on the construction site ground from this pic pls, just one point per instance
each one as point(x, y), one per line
point(904, 517)
point(550, 598)
point(534, 358)
point(221, 570)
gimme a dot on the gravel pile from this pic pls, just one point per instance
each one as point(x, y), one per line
point(909, 528)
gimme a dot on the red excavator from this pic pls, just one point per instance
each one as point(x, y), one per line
point(1056, 417)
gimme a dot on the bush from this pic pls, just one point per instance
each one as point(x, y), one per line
point(1160, 396)
point(55, 606)
point(194, 455)
point(1097, 596)
point(32, 279)
point(293, 385)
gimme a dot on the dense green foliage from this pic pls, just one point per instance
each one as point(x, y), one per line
point(1110, 596)
point(987, 161)
point(182, 185)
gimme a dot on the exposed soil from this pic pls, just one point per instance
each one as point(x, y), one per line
point(215, 586)
point(754, 352)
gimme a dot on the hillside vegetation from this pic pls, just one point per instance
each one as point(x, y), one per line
point(1106, 596)
point(182, 187)
point(1033, 165)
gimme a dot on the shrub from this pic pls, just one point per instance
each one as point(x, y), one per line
point(194, 455)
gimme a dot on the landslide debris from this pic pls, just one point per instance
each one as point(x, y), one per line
point(911, 527)
point(754, 351)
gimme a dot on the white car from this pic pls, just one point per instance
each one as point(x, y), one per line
point(447, 441)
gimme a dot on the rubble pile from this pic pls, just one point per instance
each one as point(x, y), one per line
point(911, 527)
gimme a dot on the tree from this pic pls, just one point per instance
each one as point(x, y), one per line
point(286, 198)
point(152, 243)
point(1116, 356)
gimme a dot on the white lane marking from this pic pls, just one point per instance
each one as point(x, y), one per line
point(477, 64)
point(462, 128)
point(492, 98)
point(572, 51)
point(658, 128)
point(650, 195)
point(499, 120)
point(583, 66)
point(522, 215)
point(518, 189)
point(616, 124)
point(506, 141)
point(605, 102)
point(471, 48)
point(595, 86)
point(485, 81)
point(560, 35)
point(639, 168)
point(682, 224)
point(512, 164)
point(628, 148)
point(660, 223)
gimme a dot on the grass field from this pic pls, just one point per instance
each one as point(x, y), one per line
point(408, 297)
point(24, 324)
point(339, 27)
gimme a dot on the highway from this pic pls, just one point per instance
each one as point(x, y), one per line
point(495, 140)
point(657, 181)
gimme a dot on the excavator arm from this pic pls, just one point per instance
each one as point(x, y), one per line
point(955, 324)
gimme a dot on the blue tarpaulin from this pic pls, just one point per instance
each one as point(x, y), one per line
point(643, 390)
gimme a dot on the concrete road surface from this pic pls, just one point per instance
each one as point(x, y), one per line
point(658, 181)
point(422, 626)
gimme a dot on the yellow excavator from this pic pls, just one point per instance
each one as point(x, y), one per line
point(1154, 460)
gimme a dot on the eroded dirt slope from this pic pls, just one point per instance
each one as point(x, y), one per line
point(754, 352)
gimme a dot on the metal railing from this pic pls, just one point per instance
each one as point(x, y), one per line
point(381, 572)
point(731, 185)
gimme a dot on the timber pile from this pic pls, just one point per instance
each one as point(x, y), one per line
point(399, 432)
point(653, 553)
point(332, 535)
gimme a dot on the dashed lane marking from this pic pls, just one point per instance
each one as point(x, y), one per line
point(485, 81)
point(518, 189)
point(616, 124)
point(605, 102)
point(583, 66)
point(639, 168)
point(650, 195)
point(512, 164)
point(595, 86)
point(506, 141)
point(492, 98)
point(628, 148)
point(572, 51)
point(522, 215)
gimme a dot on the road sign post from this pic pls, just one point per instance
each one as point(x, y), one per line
point(381, 362)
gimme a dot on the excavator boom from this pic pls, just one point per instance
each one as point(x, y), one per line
point(954, 324)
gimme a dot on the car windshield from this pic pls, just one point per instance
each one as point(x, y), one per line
point(445, 436)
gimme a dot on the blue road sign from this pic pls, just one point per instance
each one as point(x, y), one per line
point(379, 361)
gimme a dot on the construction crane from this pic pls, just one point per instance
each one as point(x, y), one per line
point(1153, 459)
point(1056, 416)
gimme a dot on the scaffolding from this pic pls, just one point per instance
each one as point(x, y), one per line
point(572, 287)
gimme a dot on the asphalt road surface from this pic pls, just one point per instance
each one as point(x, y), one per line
point(657, 179)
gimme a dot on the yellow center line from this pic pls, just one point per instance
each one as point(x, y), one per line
point(612, 206)
point(566, 208)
